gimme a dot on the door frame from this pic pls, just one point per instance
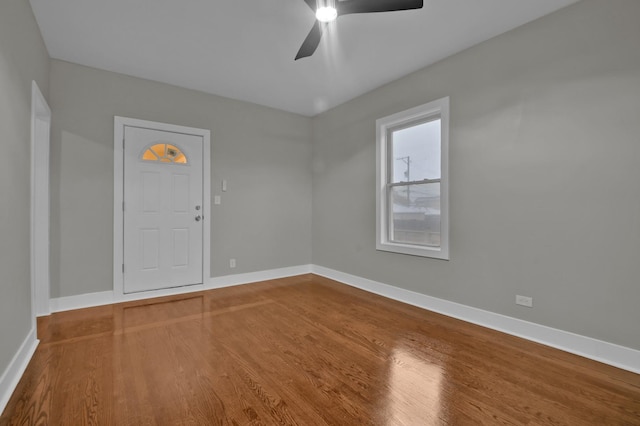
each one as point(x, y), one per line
point(40, 206)
point(119, 124)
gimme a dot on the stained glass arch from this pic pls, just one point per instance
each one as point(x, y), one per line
point(164, 153)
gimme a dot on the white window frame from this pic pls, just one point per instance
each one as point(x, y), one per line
point(438, 108)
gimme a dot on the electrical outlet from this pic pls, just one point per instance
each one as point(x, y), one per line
point(232, 263)
point(216, 200)
point(524, 301)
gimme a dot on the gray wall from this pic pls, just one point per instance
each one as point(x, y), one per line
point(264, 220)
point(23, 58)
point(544, 169)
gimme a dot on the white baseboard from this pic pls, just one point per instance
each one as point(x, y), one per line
point(89, 300)
point(598, 350)
point(14, 371)
point(80, 301)
point(252, 277)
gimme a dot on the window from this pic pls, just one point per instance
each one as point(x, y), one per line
point(412, 175)
point(165, 153)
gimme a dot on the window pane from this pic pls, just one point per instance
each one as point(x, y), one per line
point(415, 214)
point(416, 152)
point(172, 151)
point(149, 155)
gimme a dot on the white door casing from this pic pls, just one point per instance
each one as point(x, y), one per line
point(161, 232)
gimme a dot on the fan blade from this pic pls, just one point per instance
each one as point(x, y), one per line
point(310, 44)
point(369, 6)
point(312, 4)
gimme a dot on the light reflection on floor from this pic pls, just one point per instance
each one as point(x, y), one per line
point(414, 390)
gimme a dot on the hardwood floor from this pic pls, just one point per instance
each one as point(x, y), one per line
point(307, 351)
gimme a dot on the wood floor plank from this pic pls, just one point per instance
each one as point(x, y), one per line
point(303, 351)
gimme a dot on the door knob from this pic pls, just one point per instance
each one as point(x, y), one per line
point(198, 218)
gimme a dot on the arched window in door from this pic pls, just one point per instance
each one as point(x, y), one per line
point(165, 153)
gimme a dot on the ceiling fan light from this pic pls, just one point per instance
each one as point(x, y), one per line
point(326, 14)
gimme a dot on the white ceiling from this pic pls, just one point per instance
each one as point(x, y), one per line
point(244, 49)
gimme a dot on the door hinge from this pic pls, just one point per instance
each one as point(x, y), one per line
point(123, 268)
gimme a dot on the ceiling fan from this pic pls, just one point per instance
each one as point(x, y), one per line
point(328, 10)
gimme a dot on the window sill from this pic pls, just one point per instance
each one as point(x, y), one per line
point(422, 251)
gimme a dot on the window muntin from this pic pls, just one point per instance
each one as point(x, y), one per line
point(165, 153)
point(412, 197)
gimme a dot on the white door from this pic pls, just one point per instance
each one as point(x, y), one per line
point(163, 215)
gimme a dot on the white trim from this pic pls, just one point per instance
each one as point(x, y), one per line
point(438, 107)
point(16, 368)
point(40, 143)
point(598, 350)
point(118, 198)
point(80, 301)
point(89, 300)
point(251, 277)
